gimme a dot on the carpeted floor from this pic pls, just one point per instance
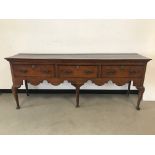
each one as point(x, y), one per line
point(56, 114)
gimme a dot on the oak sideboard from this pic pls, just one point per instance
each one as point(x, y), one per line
point(77, 69)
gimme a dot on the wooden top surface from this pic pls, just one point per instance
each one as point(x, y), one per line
point(103, 56)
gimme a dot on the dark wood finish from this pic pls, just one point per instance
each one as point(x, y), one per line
point(78, 69)
point(105, 56)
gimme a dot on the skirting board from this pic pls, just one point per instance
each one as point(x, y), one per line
point(70, 91)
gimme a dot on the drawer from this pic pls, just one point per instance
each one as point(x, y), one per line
point(77, 71)
point(33, 70)
point(122, 71)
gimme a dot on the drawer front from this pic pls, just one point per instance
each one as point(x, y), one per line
point(77, 71)
point(33, 70)
point(122, 71)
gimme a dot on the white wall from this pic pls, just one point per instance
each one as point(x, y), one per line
point(78, 36)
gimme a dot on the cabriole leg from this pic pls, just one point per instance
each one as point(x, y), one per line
point(140, 96)
point(77, 95)
point(15, 94)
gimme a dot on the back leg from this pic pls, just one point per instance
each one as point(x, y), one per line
point(26, 86)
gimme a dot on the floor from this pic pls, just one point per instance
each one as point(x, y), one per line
point(56, 114)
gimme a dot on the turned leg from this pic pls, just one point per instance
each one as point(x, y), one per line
point(26, 86)
point(129, 85)
point(77, 96)
point(140, 96)
point(15, 94)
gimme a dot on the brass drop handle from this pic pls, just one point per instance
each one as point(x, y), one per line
point(112, 72)
point(23, 71)
point(33, 66)
point(88, 72)
point(132, 72)
point(67, 72)
point(46, 71)
point(77, 67)
point(122, 67)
